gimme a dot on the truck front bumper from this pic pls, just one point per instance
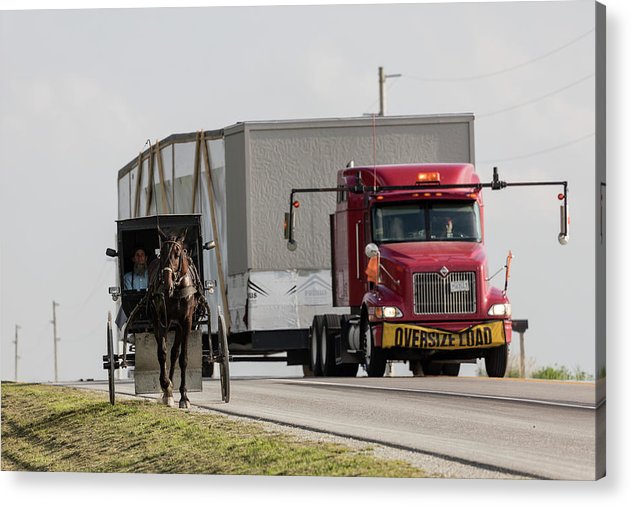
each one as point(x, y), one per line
point(455, 336)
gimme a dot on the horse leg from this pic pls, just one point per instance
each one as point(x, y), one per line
point(165, 383)
point(185, 328)
point(175, 352)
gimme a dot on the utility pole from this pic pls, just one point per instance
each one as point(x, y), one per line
point(382, 97)
point(54, 322)
point(17, 327)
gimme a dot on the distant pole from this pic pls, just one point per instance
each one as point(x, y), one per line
point(382, 94)
point(522, 356)
point(382, 98)
point(54, 322)
point(17, 327)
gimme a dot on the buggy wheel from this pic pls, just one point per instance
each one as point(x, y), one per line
point(110, 358)
point(224, 365)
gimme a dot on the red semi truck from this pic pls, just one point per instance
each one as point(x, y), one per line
point(408, 259)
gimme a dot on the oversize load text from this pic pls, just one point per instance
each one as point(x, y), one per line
point(485, 335)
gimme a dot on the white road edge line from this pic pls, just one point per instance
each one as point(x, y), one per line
point(439, 392)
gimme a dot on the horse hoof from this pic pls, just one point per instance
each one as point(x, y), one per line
point(168, 401)
point(185, 404)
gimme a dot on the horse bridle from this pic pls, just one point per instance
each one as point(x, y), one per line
point(176, 274)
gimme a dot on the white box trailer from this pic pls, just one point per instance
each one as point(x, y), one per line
point(246, 173)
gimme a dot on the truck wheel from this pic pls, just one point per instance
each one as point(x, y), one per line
point(416, 368)
point(374, 358)
point(451, 369)
point(495, 361)
point(327, 345)
point(314, 346)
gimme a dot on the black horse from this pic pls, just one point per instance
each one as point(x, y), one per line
point(173, 297)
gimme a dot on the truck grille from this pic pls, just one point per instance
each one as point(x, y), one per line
point(433, 294)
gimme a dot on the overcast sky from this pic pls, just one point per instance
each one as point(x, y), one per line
point(82, 91)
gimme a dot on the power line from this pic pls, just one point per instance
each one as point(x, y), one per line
point(501, 71)
point(541, 152)
point(537, 99)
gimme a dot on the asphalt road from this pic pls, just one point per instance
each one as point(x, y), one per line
point(520, 428)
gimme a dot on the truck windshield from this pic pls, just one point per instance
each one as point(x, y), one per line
point(426, 221)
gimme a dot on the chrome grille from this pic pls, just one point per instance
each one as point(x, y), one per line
point(433, 295)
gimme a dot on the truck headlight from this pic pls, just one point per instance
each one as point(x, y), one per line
point(500, 310)
point(388, 312)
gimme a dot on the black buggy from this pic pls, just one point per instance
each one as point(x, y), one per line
point(206, 347)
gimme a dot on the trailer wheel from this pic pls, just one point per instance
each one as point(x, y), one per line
point(451, 369)
point(208, 367)
point(374, 358)
point(314, 346)
point(224, 365)
point(495, 361)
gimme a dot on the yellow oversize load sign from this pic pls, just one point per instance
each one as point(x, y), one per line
point(485, 335)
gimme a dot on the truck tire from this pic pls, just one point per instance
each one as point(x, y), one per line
point(330, 327)
point(374, 358)
point(495, 361)
point(451, 369)
point(417, 368)
point(314, 345)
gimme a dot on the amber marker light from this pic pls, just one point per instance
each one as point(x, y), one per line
point(427, 194)
point(380, 197)
point(425, 177)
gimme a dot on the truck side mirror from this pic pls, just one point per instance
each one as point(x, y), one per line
point(564, 235)
point(111, 252)
point(209, 245)
point(288, 231)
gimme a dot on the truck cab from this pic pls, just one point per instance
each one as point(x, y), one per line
point(430, 302)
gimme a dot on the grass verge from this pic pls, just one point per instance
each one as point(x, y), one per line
point(47, 428)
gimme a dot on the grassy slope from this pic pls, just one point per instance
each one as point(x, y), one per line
point(47, 428)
